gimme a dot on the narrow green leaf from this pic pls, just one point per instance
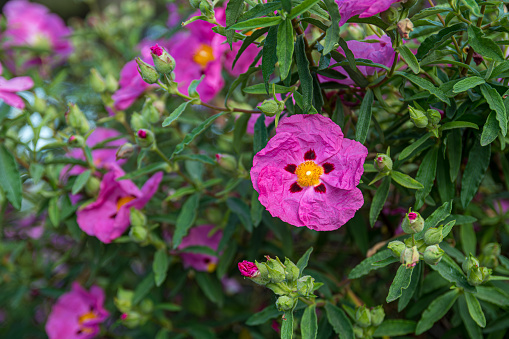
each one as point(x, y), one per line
point(359, 79)
point(431, 11)
point(482, 45)
point(155, 167)
point(426, 85)
point(256, 23)
point(285, 45)
point(269, 56)
point(287, 5)
point(260, 89)
point(473, 330)
point(474, 8)
point(249, 40)
point(256, 209)
point(269, 312)
point(497, 104)
point(54, 211)
point(36, 172)
point(493, 295)
point(199, 250)
point(10, 180)
point(408, 293)
point(475, 310)
point(260, 10)
point(436, 310)
point(410, 58)
point(339, 321)
point(308, 324)
point(405, 180)
point(477, 165)
point(241, 209)
point(467, 83)
point(426, 176)
point(401, 281)
point(260, 137)
point(454, 150)
point(367, 266)
point(490, 130)
point(175, 114)
point(186, 219)
point(413, 146)
point(434, 41)
point(452, 273)
point(395, 327)
point(192, 89)
point(448, 228)
point(143, 288)
point(80, 181)
point(244, 77)
point(458, 124)
point(437, 216)
point(234, 9)
point(160, 266)
point(287, 325)
point(446, 189)
point(468, 239)
point(303, 261)
point(211, 287)
point(301, 8)
point(332, 34)
point(379, 199)
point(364, 119)
point(304, 74)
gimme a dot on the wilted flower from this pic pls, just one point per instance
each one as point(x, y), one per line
point(410, 256)
point(308, 173)
point(8, 89)
point(201, 236)
point(405, 26)
point(77, 314)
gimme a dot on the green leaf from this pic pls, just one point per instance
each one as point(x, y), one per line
point(339, 321)
point(54, 211)
point(80, 181)
point(306, 81)
point(256, 23)
point(158, 166)
point(426, 85)
point(492, 295)
point(473, 330)
point(448, 228)
point(285, 45)
point(379, 199)
point(260, 10)
point(234, 9)
point(269, 56)
point(431, 11)
point(395, 327)
point(239, 131)
point(468, 239)
point(199, 250)
point(410, 58)
point(36, 172)
point(409, 292)
point(241, 209)
point(211, 287)
point(367, 266)
point(426, 176)
point(244, 77)
point(413, 146)
point(287, 5)
point(10, 180)
point(332, 34)
point(269, 312)
point(482, 45)
point(458, 124)
point(364, 119)
point(467, 83)
point(490, 130)
point(191, 90)
point(260, 89)
point(194, 133)
point(436, 310)
point(308, 324)
point(301, 8)
point(452, 273)
point(438, 215)
point(474, 8)
point(249, 40)
point(256, 209)
point(434, 41)
point(303, 261)
point(475, 310)
point(497, 104)
point(160, 266)
point(260, 137)
point(287, 325)
point(175, 114)
point(477, 165)
point(359, 79)
point(186, 219)
point(405, 180)
point(454, 149)
point(401, 281)
point(143, 288)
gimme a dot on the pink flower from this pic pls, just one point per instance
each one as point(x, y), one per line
point(362, 8)
point(200, 236)
point(108, 217)
point(308, 173)
point(8, 88)
point(248, 269)
point(77, 314)
point(102, 157)
point(31, 24)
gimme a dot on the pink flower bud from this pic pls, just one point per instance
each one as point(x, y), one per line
point(156, 50)
point(412, 216)
point(123, 316)
point(142, 134)
point(248, 269)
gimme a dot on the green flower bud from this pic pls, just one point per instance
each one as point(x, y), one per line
point(291, 270)
point(285, 303)
point(396, 248)
point(125, 151)
point(410, 257)
point(132, 319)
point(39, 104)
point(207, 9)
point(226, 162)
point(359, 332)
point(145, 138)
point(469, 262)
point(149, 112)
point(138, 233)
point(97, 81)
point(276, 270)
point(163, 61)
point(377, 316)
point(148, 72)
point(76, 119)
point(363, 316)
point(271, 107)
point(138, 122)
point(76, 141)
point(390, 15)
point(305, 285)
point(478, 275)
point(489, 256)
point(147, 306)
point(92, 186)
point(264, 271)
point(434, 117)
point(412, 223)
point(137, 218)
point(383, 163)
point(434, 236)
point(418, 117)
point(111, 83)
point(491, 249)
point(123, 301)
point(433, 254)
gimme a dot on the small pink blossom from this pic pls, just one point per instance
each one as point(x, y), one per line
point(200, 236)
point(108, 217)
point(142, 134)
point(77, 314)
point(308, 173)
point(156, 50)
point(412, 216)
point(362, 8)
point(8, 89)
point(248, 269)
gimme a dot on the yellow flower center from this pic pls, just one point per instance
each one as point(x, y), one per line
point(308, 173)
point(211, 267)
point(124, 200)
point(86, 317)
point(204, 55)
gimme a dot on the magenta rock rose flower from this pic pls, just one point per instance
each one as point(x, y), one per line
point(248, 269)
point(200, 236)
point(77, 314)
point(108, 217)
point(308, 173)
point(362, 8)
point(8, 89)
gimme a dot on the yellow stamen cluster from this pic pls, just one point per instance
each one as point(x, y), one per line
point(204, 55)
point(124, 200)
point(308, 173)
point(86, 317)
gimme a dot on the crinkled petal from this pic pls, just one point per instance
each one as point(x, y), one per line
point(147, 191)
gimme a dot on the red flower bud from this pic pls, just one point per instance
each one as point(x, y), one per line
point(248, 269)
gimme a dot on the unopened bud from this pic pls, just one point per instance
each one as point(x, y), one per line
point(111, 83)
point(285, 303)
point(163, 61)
point(434, 117)
point(97, 81)
point(207, 9)
point(363, 316)
point(469, 262)
point(144, 138)
point(359, 332)
point(149, 112)
point(390, 15)
point(92, 186)
point(271, 107)
point(434, 236)
point(489, 256)
point(138, 122)
point(418, 117)
point(39, 104)
point(405, 26)
point(76, 119)
point(410, 257)
point(125, 151)
point(226, 161)
point(492, 248)
point(137, 218)
point(147, 306)
point(305, 285)
point(396, 248)
point(248, 269)
point(377, 316)
point(138, 234)
point(433, 254)
point(412, 223)
point(123, 301)
point(264, 272)
point(148, 72)
point(291, 270)
point(76, 141)
point(478, 275)
point(383, 163)
point(276, 270)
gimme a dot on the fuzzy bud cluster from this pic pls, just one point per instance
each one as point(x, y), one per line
point(76, 119)
point(367, 320)
point(476, 274)
point(133, 315)
point(489, 255)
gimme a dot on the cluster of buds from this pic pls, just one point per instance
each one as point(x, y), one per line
point(429, 119)
point(476, 274)
point(367, 321)
point(138, 231)
point(76, 119)
point(489, 255)
point(100, 84)
point(226, 162)
point(285, 280)
point(133, 315)
point(125, 151)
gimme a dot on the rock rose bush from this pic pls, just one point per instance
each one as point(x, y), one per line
point(254, 169)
